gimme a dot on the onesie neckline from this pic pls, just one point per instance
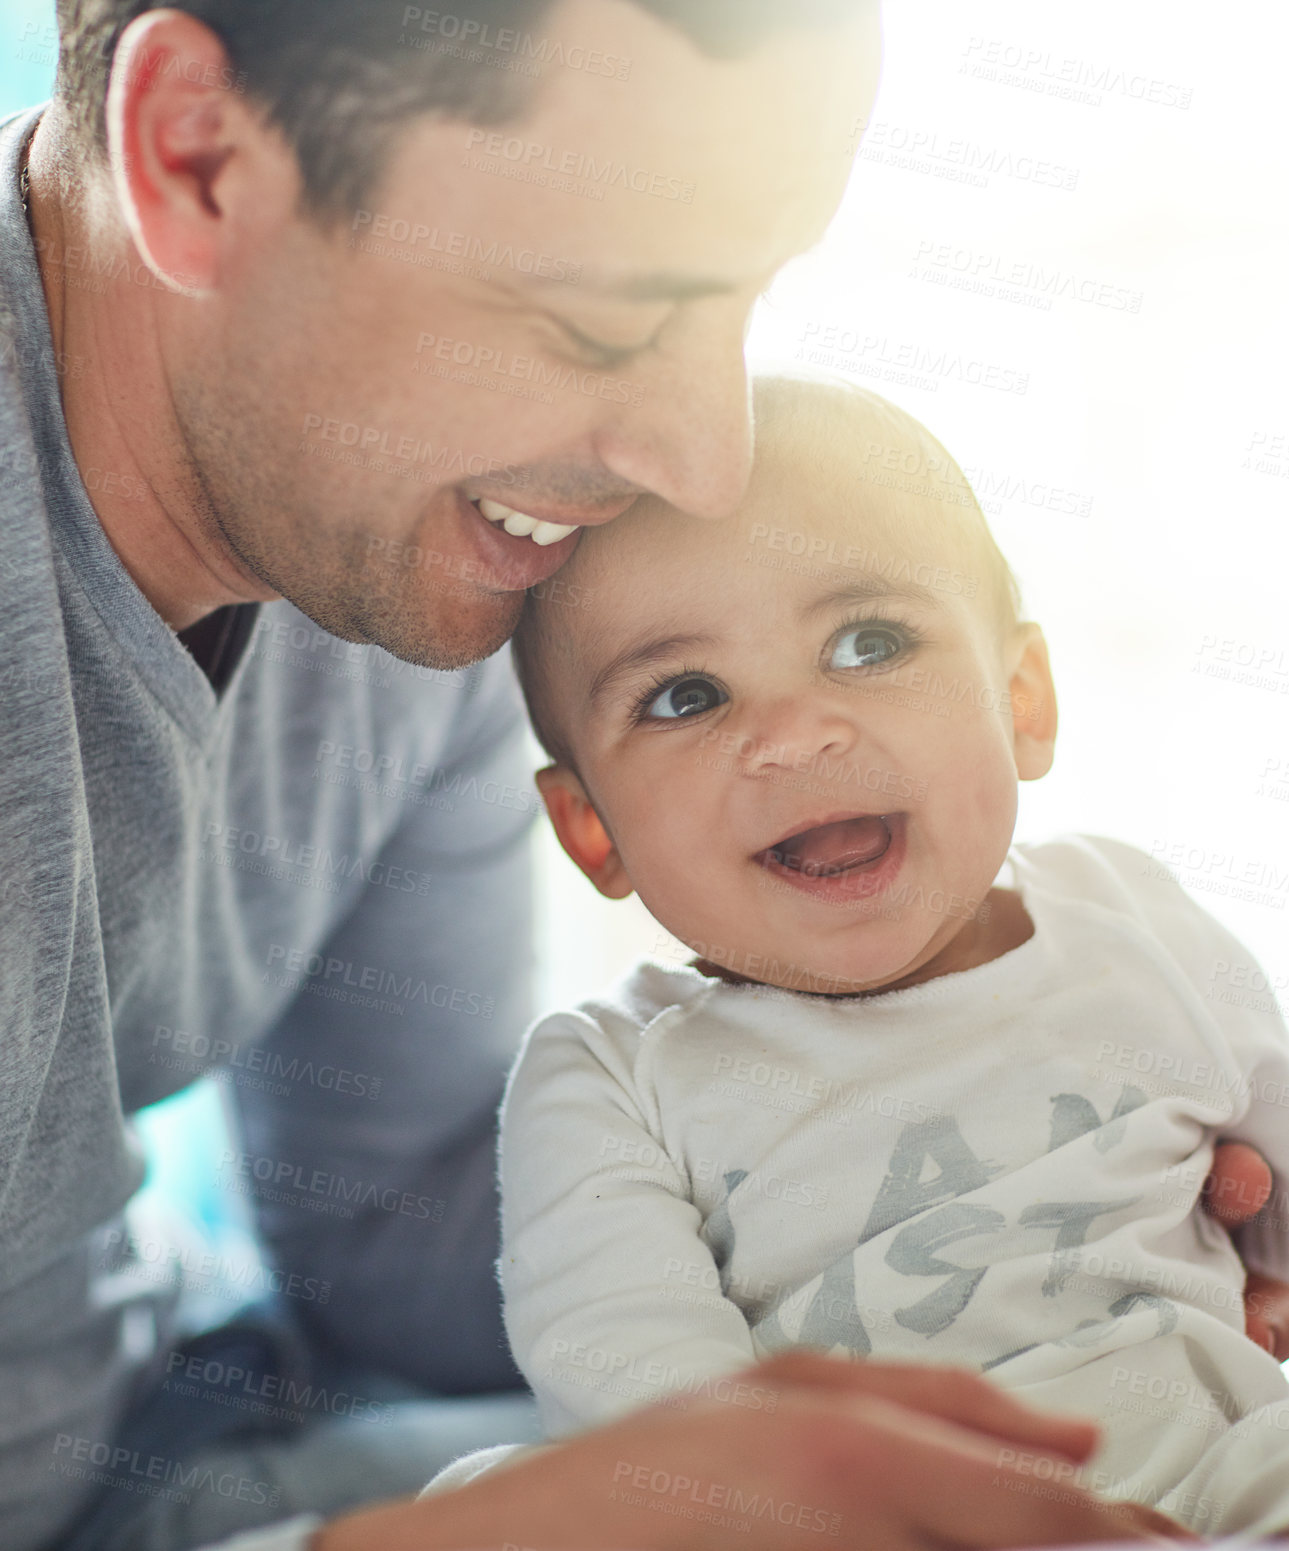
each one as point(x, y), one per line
point(1017, 969)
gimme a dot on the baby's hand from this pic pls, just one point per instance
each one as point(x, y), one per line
point(1236, 1190)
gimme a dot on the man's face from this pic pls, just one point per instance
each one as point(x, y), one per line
point(795, 723)
point(548, 317)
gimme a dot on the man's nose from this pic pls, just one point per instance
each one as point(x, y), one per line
point(688, 438)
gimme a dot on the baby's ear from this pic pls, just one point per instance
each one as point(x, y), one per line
point(1033, 703)
point(581, 831)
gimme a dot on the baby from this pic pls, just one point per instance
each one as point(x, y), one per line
point(921, 1093)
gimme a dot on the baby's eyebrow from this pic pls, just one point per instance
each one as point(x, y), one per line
point(866, 589)
point(632, 659)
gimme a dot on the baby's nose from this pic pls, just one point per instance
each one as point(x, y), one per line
point(795, 734)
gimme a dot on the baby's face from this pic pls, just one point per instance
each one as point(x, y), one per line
point(799, 725)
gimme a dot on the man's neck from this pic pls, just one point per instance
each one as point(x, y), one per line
point(120, 417)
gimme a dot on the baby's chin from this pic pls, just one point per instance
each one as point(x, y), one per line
point(861, 970)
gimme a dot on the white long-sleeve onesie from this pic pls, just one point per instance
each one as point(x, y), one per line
point(999, 1167)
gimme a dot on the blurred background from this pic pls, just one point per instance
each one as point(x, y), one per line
point(1064, 247)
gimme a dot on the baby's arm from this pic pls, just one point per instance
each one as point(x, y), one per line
point(1259, 1040)
point(612, 1298)
point(1251, 1059)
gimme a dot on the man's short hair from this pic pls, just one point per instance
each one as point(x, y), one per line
point(339, 77)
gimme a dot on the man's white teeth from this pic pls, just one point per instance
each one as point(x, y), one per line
point(521, 526)
point(553, 532)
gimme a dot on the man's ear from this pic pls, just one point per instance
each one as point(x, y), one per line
point(176, 119)
point(1033, 704)
point(581, 831)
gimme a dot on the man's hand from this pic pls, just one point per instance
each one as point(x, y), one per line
point(904, 1457)
point(1237, 1189)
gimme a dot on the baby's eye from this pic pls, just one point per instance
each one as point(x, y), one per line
point(685, 697)
point(866, 646)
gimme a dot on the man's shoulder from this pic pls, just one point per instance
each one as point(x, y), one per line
point(32, 659)
point(24, 355)
point(31, 617)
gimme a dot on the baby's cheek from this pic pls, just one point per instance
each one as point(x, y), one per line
point(969, 807)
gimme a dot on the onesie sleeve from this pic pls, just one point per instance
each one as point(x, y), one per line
point(1260, 1039)
point(611, 1296)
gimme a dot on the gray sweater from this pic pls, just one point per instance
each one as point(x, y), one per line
point(317, 878)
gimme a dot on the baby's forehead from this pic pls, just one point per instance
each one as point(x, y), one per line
point(853, 445)
point(839, 480)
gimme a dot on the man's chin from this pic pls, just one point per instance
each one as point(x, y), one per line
point(441, 627)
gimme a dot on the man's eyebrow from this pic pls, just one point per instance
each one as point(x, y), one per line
point(659, 286)
point(866, 589)
point(633, 659)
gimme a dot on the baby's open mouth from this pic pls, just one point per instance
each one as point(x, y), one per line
point(829, 850)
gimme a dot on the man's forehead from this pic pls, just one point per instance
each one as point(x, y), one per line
point(694, 172)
